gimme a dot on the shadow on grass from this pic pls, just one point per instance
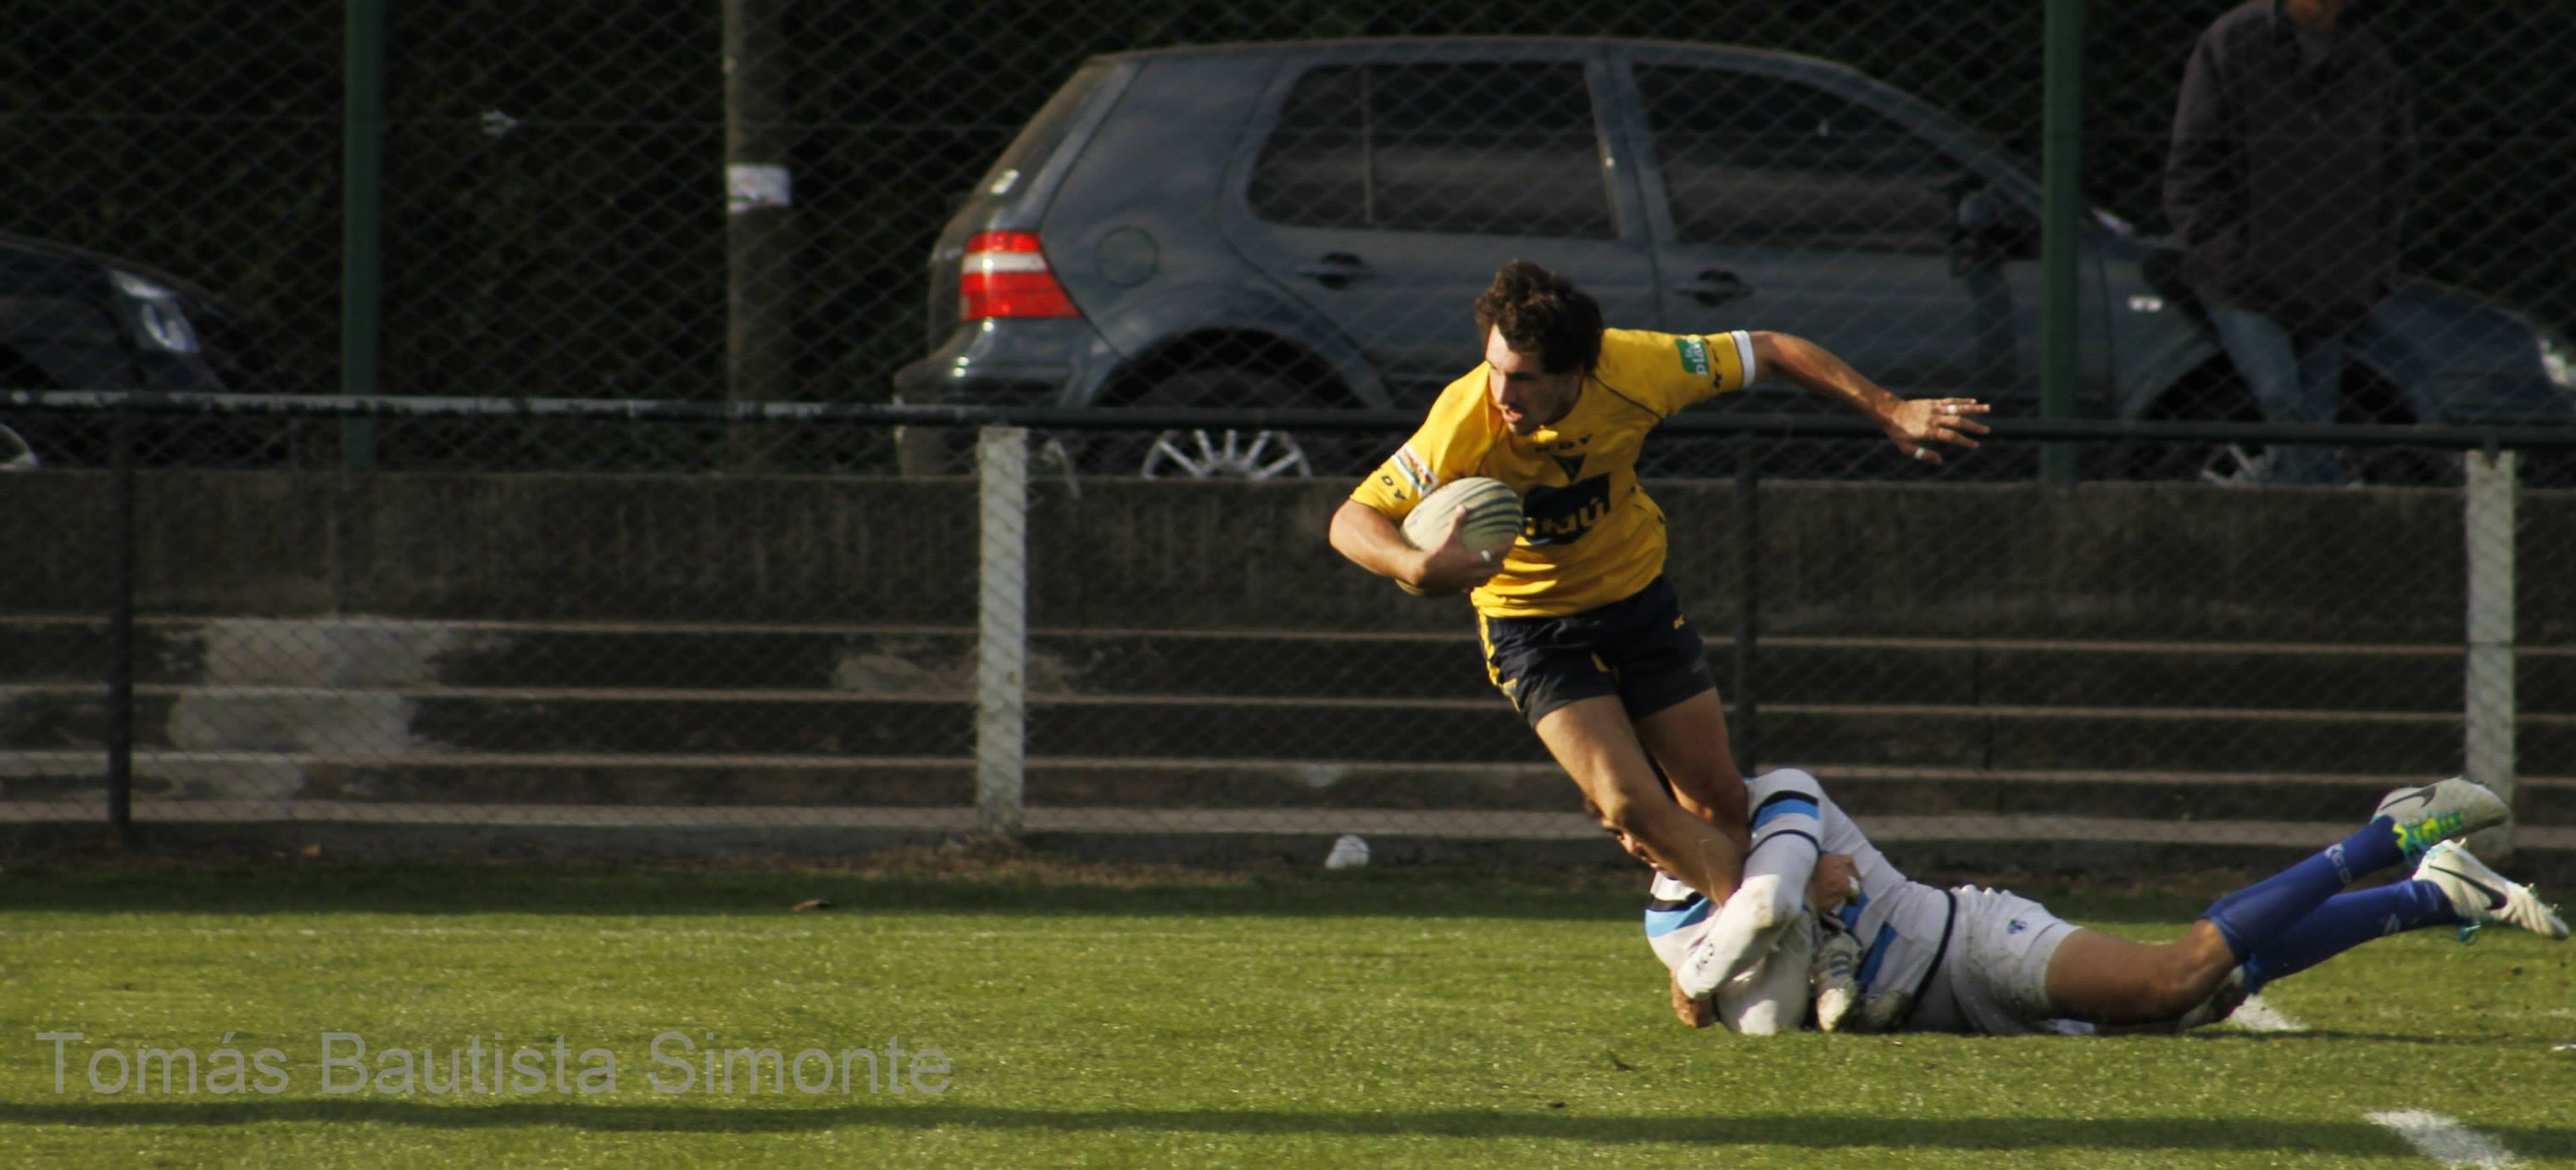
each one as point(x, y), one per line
point(327, 887)
point(2356, 1138)
point(415, 888)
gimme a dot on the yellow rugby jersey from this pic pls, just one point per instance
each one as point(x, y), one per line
point(1590, 536)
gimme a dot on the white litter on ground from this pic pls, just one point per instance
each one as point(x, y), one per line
point(2254, 1015)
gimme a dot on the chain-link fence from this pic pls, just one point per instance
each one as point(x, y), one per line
point(763, 200)
point(2023, 673)
point(710, 621)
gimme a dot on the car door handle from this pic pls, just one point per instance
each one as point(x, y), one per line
point(1335, 270)
point(1715, 288)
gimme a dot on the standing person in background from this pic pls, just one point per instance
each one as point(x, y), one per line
point(1582, 632)
point(2290, 170)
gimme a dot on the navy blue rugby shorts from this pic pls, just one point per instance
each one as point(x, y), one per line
point(1639, 648)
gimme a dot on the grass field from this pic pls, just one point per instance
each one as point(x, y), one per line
point(1144, 1018)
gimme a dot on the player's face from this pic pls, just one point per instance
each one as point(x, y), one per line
point(1528, 396)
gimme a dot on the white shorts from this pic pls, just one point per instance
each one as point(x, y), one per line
point(1998, 962)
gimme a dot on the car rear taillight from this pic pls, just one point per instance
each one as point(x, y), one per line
point(1005, 275)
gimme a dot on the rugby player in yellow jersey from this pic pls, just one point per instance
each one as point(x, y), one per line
point(1581, 630)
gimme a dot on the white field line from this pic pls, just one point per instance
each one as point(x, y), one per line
point(2444, 1140)
point(2254, 1015)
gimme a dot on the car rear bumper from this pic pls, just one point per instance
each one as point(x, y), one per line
point(1031, 362)
point(1042, 362)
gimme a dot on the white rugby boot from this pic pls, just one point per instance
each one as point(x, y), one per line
point(2485, 897)
point(2440, 811)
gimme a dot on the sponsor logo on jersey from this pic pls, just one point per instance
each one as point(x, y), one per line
point(1568, 455)
point(1694, 354)
point(1414, 470)
point(1554, 515)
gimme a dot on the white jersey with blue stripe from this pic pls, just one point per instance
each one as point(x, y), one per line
point(1901, 923)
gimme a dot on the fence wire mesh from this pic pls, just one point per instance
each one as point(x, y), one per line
point(1248, 206)
point(768, 200)
point(2004, 668)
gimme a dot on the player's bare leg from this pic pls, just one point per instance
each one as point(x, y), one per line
point(1688, 741)
point(2106, 979)
point(2283, 923)
point(1595, 744)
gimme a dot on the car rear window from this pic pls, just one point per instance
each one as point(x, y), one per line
point(1493, 148)
point(1039, 138)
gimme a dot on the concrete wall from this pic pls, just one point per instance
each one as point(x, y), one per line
point(2114, 561)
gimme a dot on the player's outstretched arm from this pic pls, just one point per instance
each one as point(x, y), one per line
point(1913, 424)
point(1771, 899)
point(1744, 930)
point(1370, 540)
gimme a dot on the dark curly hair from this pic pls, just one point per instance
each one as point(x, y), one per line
point(1541, 312)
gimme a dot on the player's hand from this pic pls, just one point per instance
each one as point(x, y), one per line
point(1453, 567)
point(1918, 423)
point(1693, 1013)
point(1835, 880)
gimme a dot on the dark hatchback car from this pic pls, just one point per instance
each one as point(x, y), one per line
point(72, 319)
point(1306, 224)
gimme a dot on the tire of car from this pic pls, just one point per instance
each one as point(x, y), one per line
point(1216, 453)
point(2225, 399)
point(2222, 399)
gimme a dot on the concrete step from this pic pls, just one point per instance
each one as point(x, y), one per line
point(1265, 664)
point(718, 781)
point(2096, 560)
point(1376, 823)
point(644, 722)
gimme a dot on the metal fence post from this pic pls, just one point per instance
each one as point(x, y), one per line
point(1748, 613)
point(2490, 685)
point(362, 203)
point(120, 640)
point(1001, 644)
point(2061, 243)
point(760, 217)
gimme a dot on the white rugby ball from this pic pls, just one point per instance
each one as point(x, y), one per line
point(1493, 516)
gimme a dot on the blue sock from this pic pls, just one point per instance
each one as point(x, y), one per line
point(2372, 849)
point(2347, 921)
point(2249, 918)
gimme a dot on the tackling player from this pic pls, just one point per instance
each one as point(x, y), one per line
point(1987, 961)
point(1581, 630)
